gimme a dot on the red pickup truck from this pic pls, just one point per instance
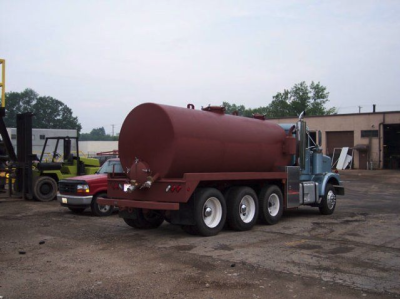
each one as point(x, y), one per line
point(81, 192)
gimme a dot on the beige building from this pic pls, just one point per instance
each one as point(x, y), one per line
point(374, 138)
point(91, 148)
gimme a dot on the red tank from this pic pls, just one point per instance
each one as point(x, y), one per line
point(170, 141)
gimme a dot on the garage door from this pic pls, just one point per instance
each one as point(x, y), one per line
point(338, 139)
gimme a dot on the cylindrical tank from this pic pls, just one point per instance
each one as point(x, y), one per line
point(173, 141)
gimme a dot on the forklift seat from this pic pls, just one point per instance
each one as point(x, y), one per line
point(70, 159)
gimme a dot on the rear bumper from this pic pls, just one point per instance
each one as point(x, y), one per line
point(74, 200)
point(126, 203)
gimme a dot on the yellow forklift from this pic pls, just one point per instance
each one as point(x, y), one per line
point(37, 178)
point(7, 153)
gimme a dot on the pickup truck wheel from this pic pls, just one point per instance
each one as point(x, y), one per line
point(44, 188)
point(145, 219)
point(242, 204)
point(271, 205)
point(328, 202)
point(209, 211)
point(76, 210)
point(100, 210)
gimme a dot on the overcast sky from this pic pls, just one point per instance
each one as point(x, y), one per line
point(103, 58)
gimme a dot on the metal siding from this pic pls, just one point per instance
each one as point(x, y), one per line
point(292, 187)
point(338, 140)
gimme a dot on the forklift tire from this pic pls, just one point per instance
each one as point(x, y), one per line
point(44, 189)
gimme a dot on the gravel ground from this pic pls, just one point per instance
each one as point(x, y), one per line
point(48, 252)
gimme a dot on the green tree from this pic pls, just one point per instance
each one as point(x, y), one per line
point(290, 103)
point(97, 134)
point(49, 113)
point(299, 98)
point(240, 109)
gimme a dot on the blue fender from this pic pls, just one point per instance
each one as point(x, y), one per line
point(324, 179)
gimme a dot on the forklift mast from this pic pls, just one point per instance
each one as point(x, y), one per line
point(23, 161)
point(39, 183)
point(10, 153)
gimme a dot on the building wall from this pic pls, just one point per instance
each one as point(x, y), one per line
point(90, 148)
point(39, 136)
point(356, 123)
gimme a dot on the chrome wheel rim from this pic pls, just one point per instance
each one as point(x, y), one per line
point(104, 209)
point(212, 212)
point(273, 205)
point(247, 209)
point(331, 199)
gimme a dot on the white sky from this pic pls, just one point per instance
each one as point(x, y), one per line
point(102, 58)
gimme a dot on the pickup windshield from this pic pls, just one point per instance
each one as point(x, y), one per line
point(110, 166)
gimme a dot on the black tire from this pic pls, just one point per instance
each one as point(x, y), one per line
point(190, 229)
point(45, 189)
point(100, 210)
point(145, 220)
point(167, 217)
point(271, 205)
point(242, 208)
point(77, 210)
point(209, 211)
point(226, 196)
point(328, 202)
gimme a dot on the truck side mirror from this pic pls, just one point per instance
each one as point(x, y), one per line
point(319, 138)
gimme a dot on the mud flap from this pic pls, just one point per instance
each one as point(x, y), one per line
point(185, 214)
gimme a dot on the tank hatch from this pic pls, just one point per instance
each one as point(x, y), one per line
point(215, 109)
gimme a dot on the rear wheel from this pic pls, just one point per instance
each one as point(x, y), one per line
point(190, 229)
point(145, 219)
point(271, 204)
point(45, 188)
point(209, 211)
point(242, 205)
point(328, 202)
point(100, 210)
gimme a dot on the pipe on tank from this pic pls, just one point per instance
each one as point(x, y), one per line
point(150, 181)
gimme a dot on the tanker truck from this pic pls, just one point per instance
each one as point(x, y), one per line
point(204, 169)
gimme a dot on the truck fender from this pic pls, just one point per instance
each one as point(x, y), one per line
point(55, 174)
point(329, 178)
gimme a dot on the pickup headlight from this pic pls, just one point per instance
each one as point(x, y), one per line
point(82, 188)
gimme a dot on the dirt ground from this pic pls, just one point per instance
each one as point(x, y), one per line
point(48, 252)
